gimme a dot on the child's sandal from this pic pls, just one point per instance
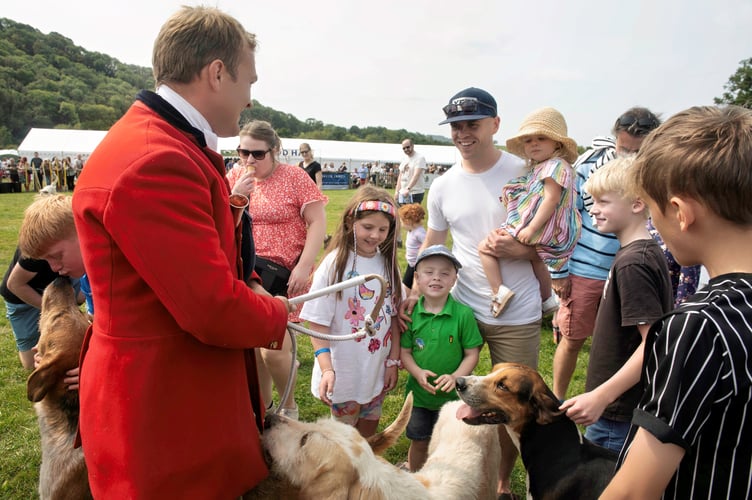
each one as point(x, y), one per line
point(500, 300)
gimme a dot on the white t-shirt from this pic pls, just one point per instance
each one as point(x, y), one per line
point(468, 205)
point(359, 365)
point(407, 169)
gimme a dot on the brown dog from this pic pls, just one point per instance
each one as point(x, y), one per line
point(560, 462)
point(62, 326)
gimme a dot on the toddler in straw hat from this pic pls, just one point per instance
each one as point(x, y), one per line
point(540, 204)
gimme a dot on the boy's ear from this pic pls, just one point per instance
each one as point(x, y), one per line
point(638, 206)
point(685, 211)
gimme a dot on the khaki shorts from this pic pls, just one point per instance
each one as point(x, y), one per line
point(513, 343)
point(576, 315)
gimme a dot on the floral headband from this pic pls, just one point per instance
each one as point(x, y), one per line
point(376, 206)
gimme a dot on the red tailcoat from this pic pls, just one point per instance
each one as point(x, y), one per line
point(165, 402)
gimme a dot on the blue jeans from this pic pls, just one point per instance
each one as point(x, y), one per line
point(608, 433)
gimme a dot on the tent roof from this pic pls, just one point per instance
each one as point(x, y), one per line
point(49, 142)
point(64, 142)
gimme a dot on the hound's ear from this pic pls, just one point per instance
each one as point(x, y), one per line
point(41, 380)
point(385, 439)
point(545, 405)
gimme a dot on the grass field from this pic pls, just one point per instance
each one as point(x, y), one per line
point(19, 436)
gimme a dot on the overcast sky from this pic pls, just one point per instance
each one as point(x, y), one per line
point(395, 63)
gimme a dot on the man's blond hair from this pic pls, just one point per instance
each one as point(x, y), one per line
point(194, 37)
point(48, 220)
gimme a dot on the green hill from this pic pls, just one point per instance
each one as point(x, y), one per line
point(47, 81)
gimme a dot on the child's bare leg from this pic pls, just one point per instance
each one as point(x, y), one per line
point(544, 278)
point(491, 267)
point(417, 454)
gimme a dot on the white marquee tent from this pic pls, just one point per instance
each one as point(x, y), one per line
point(62, 142)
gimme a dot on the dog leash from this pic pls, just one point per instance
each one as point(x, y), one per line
point(368, 328)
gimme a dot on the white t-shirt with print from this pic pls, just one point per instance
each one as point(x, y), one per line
point(358, 365)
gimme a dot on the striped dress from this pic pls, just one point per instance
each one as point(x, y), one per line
point(522, 196)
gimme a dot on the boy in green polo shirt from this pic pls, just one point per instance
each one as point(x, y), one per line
point(440, 344)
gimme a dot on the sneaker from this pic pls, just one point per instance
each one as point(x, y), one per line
point(500, 300)
point(550, 305)
point(291, 413)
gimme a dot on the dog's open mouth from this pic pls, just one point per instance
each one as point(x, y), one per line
point(475, 416)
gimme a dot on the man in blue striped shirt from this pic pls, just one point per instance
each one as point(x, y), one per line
point(580, 284)
point(691, 434)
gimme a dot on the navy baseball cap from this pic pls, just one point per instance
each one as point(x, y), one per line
point(470, 104)
point(439, 250)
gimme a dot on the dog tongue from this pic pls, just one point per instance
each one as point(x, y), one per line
point(464, 411)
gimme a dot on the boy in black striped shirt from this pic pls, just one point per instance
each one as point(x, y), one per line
point(691, 434)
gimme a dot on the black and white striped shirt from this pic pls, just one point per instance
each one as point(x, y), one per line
point(698, 390)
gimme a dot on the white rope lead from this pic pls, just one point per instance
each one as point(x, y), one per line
point(367, 330)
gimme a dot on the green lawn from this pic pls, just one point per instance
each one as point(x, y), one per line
point(19, 436)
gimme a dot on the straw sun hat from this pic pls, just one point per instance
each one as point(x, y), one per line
point(547, 122)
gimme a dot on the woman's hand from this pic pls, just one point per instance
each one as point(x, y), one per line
point(246, 185)
point(298, 281)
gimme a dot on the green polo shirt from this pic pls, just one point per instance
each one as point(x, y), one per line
point(438, 342)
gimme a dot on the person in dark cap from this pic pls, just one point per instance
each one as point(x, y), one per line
point(464, 201)
point(441, 344)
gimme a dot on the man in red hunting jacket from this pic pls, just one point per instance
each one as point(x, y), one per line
point(167, 373)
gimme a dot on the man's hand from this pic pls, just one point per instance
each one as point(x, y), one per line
point(562, 287)
point(501, 244)
point(405, 311)
point(71, 379)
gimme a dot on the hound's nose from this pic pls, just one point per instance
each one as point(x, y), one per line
point(460, 384)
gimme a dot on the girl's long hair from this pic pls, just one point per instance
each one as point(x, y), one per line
point(343, 241)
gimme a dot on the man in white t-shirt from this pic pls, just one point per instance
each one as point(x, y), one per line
point(409, 187)
point(465, 202)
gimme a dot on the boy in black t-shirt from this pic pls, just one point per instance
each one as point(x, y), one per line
point(691, 434)
point(637, 293)
point(21, 289)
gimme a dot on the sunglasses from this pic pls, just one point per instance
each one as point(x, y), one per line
point(637, 126)
point(257, 155)
point(464, 106)
point(407, 148)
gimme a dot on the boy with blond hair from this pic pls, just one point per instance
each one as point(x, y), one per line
point(47, 248)
point(441, 343)
point(637, 293)
point(691, 434)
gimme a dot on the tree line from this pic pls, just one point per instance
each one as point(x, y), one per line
point(46, 81)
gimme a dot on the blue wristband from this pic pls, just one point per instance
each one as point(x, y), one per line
point(321, 351)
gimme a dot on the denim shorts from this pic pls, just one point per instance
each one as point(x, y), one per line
point(422, 422)
point(608, 433)
point(24, 321)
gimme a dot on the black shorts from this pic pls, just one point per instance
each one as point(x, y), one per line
point(407, 278)
point(422, 421)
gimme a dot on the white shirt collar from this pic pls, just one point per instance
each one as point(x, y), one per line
point(191, 114)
